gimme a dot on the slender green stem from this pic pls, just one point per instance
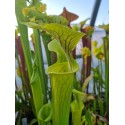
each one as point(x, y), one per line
point(106, 52)
point(26, 47)
point(94, 86)
point(101, 75)
point(46, 39)
point(36, 90)
point(40, 62)
point(19, 5)
point(99, 81)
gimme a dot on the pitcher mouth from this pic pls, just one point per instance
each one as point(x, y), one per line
point(62, 68)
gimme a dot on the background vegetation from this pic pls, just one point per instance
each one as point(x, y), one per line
point(55, 96)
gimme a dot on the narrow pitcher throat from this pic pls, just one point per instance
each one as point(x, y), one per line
point(62, 69)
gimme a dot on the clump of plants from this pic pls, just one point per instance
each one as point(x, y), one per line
point(54, 95)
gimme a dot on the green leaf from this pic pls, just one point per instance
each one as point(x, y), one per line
point(75, 27)
point(67, 37)
point(45, 113)
point(88, 118)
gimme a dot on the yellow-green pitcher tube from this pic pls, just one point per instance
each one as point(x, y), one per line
point(62, 72)
point(62, 76)
point(61, 97)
